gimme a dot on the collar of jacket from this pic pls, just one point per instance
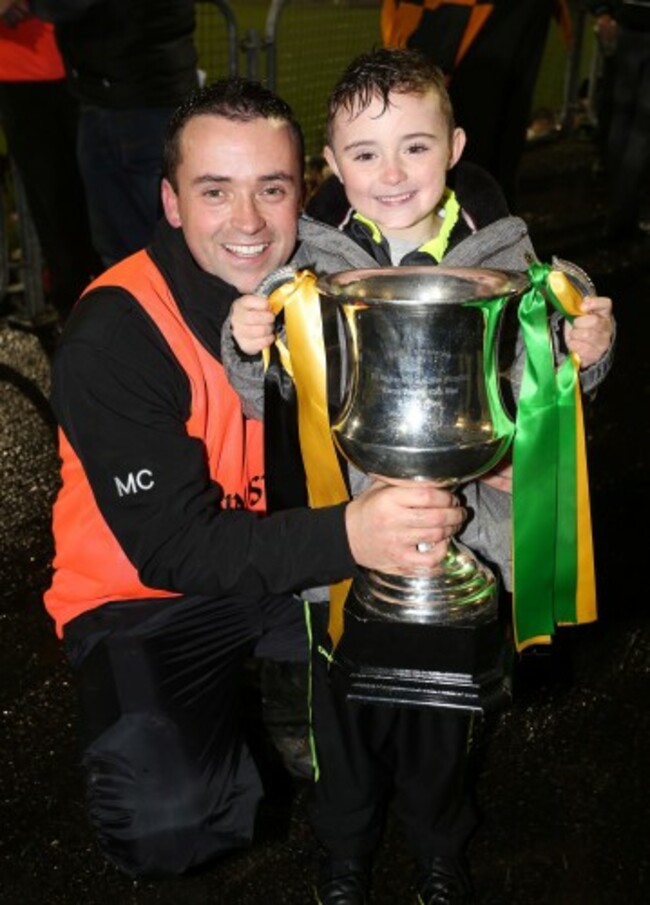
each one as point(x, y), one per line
point(203, 299)
point(454, 228)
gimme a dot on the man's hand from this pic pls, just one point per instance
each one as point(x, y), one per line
point(590, 334)
point(252, 323)
point(388, 525)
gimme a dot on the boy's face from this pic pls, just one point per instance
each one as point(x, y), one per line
point(239, 192)
point(393, 163)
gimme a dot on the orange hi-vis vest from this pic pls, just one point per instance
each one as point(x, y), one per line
point(29, 52)
point(462, 19)
point(90, 567)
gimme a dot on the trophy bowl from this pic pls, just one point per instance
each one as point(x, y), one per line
point(421, 402)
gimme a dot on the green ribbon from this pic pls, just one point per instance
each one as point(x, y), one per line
point(503, 425)
point(544, 489)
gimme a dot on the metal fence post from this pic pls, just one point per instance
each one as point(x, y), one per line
point(4, 232)
point(270, 43)
point(232, 33)
point(571, 102)
point(31, 267)
point(252, 45)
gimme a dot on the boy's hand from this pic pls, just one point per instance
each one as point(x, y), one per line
point(252, 323)
point(590, 334)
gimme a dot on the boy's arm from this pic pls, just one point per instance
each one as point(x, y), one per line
point(488, 529)
point(246, 331)
point(590, 375)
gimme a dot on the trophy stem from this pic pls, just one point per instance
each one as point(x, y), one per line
point(461, 591)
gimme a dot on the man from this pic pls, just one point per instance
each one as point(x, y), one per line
point(39, 122)
point(624, 27)
point(491, 51)
point(128, 64)
point(164, 582)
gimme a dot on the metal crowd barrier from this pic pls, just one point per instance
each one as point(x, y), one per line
point(22, 292)
point(277, 42)
point(281, 48)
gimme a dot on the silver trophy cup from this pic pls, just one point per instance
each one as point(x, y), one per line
point(421, 403)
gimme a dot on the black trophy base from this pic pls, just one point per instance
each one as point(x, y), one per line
point(408, 664)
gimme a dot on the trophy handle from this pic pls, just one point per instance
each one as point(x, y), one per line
point(504, 426)
point(274, 280)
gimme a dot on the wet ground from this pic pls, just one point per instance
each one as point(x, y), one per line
point(562, 776)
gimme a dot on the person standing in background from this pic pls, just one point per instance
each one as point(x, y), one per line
point(39, 120)
point(491, 52)
point(625, 26)
point(129, 63)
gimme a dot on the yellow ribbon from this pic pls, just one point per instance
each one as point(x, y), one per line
point(570, 301)
point(306, 364)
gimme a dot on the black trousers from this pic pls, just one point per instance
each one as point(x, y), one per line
point(628, 143)
point(368, 755)
point(40, 123)
point(171, 782)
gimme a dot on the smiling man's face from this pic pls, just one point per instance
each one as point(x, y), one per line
point(238, 196)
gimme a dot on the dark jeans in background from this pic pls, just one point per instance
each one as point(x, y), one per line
point(40, 124)
point(120, 157)
point(628, 146)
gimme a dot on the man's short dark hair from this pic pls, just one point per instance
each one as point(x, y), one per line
point(380, 72)
point(235, 98)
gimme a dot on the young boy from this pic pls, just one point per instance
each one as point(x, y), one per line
point(392, 143)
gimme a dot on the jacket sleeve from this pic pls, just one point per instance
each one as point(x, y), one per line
point(488, 530)
point(245, 373)
point(122, 401)
point(592, 376)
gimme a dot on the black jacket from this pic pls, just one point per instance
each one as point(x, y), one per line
point(125, 53)
point(121, 397)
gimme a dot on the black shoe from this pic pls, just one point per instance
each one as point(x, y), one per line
point(444, 883)
point(343, 882)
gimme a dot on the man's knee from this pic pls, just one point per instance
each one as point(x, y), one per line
point(153, 809)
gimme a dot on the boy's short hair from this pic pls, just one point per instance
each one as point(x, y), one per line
point(380, 72)
point(235, 98)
